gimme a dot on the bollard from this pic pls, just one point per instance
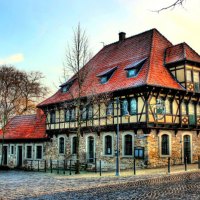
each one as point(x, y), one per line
point(70, 167)
point(169, 166)
point(51, 166)
point(64, 167)
point(95, 161)
point(45, 166)
point(38, 165)
point(100, 167)
point(57, 166)
point(134, 166)
point(185, 163)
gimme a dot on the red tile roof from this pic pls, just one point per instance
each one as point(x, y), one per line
point(181, 52)
point(150, 44)
point(26, 127)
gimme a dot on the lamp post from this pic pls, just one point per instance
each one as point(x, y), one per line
point(109, 115)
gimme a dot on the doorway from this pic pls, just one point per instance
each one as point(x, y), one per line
point(5, 155)
point(187, 147)
point(19, 156)
point(90, 149)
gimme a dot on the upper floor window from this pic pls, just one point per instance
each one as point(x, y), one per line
point(184, 108)
point(67, 115)
point(106, 75)
point(128, 151)
point(134, 68)
point(189, 75)
point(133, 106)
point(84, 113)
point(72, 114)
point(165, 144)
point(61, 145)
point(168, 106)
point(196, 81)
point(108, 145)
point(90, 112)
point(110, 110)
point(52, 117)
point(124, 108)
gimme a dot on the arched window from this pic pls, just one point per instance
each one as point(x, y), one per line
point(61, 145)
point(74, 145)
point(133, 106)
point(165, 144)
point(128, 150)
point(108, 145)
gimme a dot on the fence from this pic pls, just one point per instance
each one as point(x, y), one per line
point(69, 166)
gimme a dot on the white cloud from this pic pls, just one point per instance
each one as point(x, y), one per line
point(15, 58)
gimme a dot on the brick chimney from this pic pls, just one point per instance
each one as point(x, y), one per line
point(122, 36)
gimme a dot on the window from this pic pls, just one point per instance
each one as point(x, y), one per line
point(67, 115)
point(196, 81)
point(28, 151)
point(168, 106)
point(108, 145)
point(65, 88)
point(52, 117)
point(90, 112)
point(103, 79)
point(132, 72)
point(61, 145)
point(133, 106)
point(184, 108)
point(110, 110)
point(38, 152)
point(11, 149)
point(72, 114)
point(189, 75)
point(139, 152)
point(74, 145)
point(124, 108)
point(165, 144)
point(128, 145)
point(84, 113)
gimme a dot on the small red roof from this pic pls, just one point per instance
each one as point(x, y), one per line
point(181, 52)
point(26, 127)
point(150, 45)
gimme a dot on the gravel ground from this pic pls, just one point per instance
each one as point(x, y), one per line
point(34, 185)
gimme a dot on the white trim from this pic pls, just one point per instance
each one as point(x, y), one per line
point(160, 143)
point(26, 151)
point(182, 145)
point(112, 136)
point(36, 152)
point(123, 145)
point(61, 136)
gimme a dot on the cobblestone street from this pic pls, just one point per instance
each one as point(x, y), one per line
point(33, 185)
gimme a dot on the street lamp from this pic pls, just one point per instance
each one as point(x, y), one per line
point(109, 116)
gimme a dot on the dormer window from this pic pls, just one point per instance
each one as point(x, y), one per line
point(65, 86)
point(106, 75)
point(134, 68)
point(65, 89)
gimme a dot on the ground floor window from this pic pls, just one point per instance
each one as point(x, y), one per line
point(165, 144)
point(139, 152)
point(39, 152)
point(61, 145)
point(108, 145)
point(29, 151)
point(128, 142)
point(12, 149)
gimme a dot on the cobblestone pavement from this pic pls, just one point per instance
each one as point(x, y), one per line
point(33, 185)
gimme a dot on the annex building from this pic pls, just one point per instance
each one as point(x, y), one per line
point(144, 83)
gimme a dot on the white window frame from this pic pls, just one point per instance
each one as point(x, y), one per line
point(61, 136)
point(104, 139)
point(31, 151)
point(123, 144)
point(160, 143)
point(36, 152)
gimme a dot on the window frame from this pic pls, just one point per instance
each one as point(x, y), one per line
point(53, 117)
point(37, 145)
point(139, 149)
point(161, 144)
point(124, 145)
point(72, 145)
point(26, 153)
point(104, 145)
point(59, 145)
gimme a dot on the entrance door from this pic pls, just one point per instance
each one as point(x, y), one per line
point(5, 155)
point(91, 149)
point(187, 148)
point(19, 156)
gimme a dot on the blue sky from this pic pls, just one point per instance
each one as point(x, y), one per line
point(34, 33)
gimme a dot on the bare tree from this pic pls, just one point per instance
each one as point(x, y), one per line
point(171, 6)
point(19, 93)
